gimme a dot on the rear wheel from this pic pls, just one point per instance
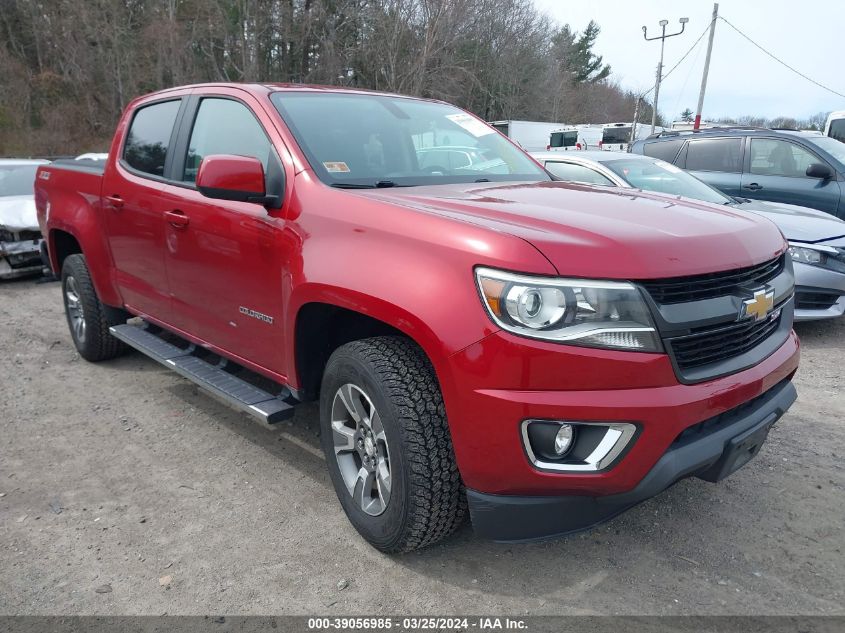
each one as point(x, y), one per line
point(387, 444)
point(88, 318)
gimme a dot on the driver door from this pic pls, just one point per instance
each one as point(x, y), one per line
point(225, 259)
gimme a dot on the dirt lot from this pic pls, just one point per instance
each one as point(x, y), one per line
point(115, 476)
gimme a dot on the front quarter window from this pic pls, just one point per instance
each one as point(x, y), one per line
point(364, 140)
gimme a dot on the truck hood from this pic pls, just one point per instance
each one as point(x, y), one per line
point(799, 224)
point(17, 213)
point(601, 231)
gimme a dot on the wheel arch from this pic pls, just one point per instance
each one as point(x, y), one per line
point(321, 326)
point(64, 241)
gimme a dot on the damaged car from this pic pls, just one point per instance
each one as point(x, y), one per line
point(20, 236)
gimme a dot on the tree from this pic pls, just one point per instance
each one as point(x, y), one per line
point(575, 55)
point(687, 115)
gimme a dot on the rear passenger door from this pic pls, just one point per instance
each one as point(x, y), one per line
point(226, 259)
point(133, 211)
point(775, 170)
point(716, 161)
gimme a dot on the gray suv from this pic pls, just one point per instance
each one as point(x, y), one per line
point(802, 168)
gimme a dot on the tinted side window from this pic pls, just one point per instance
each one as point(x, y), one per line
point(223, 126)
point(772, 157)
point(664, 150)
point(149, 137)
point(716, 154)
point(576, 173)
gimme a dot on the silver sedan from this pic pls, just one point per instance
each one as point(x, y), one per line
point(816, 239)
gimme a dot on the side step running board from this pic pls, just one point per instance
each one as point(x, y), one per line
point(266, 407)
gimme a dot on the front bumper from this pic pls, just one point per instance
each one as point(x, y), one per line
point(490, 387)
point(819, 293)
point(712, 452)
point(20, 258)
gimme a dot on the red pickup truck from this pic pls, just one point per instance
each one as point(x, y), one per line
point(480, 337)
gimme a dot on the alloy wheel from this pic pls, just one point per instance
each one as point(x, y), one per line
point(360, 446)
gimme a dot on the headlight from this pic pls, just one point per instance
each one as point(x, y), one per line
point(607, 314)
point(805, 255)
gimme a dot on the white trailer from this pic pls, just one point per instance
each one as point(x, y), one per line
point(532, 136)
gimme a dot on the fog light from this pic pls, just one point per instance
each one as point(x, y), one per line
point(563, 439)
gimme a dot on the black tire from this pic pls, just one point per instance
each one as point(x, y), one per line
point(427, 501)
point(93, 340)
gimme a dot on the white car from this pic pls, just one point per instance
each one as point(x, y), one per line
point(20, 236)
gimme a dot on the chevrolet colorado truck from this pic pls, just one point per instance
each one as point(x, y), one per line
point(481, 338)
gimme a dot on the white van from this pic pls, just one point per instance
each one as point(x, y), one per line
point(564, 139)
point(835, 126)
point(617, 136)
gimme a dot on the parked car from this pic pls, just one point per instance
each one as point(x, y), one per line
point(20, 235)
point(447, 158)
point(816, 239)
point(455, 325)
point(803, 168)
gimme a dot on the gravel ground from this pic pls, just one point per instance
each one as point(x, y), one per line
point(127, 491)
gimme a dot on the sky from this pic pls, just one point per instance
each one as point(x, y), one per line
point(807, 35)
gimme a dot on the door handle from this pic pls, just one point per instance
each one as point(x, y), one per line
point(177, 219)
point(753, 186)
point(115, 201)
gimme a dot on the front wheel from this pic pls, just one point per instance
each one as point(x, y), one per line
point(88, 318)
point(387, 444)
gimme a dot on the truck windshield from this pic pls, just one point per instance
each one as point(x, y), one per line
point(563, 139)
point(613, 135)
point(361, 140)
point(661, 177)
point(17, 180)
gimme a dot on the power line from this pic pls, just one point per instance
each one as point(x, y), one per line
point(780, 61)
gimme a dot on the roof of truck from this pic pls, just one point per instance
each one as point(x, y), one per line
point(266, 88)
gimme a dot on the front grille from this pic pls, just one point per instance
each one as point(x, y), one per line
point(721, 342)
point(26, 236)
point(19, 236)
point(708, 286)
point(815, 300)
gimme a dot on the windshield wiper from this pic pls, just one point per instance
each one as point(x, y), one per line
point(351, 185)
point(379, 184)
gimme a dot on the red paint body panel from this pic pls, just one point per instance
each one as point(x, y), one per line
point(406, 257)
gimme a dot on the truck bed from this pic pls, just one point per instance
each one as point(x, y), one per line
point(86, 166)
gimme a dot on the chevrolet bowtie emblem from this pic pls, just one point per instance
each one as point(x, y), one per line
point(759, 307)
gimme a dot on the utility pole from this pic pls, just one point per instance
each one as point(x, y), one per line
point(662, 37)
point(636, 118)
point(697, 123)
